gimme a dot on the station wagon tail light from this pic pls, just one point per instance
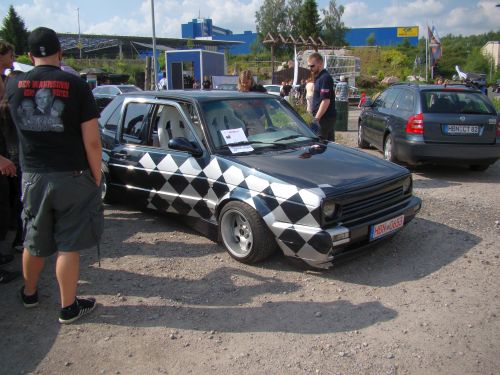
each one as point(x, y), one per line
point(415, 124)
point(498, 126)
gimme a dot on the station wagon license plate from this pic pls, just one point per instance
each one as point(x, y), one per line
point(387, 227)
point(461, 129)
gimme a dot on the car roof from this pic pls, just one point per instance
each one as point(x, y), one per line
point(423, 87)
point(198, 95)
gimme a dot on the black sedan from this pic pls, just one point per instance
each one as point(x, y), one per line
point(106, 93)
point(432, 124)
point(248, 172)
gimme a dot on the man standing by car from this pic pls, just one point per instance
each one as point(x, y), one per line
point(323, 101)
point(61, 174)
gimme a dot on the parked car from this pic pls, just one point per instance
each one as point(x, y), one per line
point(247, 171)
point(417, 124)
point(227, 87)
point(273, 89)
point(106, 93)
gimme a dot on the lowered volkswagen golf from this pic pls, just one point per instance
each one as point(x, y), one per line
point(246, 171)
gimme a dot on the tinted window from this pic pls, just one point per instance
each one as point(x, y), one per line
point(110, 116)
point(405, 101)
point(390, 98)
point(135, 124)
point(456, 102)
point(129, 88)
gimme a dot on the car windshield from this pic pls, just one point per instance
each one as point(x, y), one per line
point(253, 124)
point(454, 101)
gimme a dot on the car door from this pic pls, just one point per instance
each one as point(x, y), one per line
point(130, 144)
point(370, 114)
point(177, 182)
point(382, 117)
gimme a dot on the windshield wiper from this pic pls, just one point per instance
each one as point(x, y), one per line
point(294, 136)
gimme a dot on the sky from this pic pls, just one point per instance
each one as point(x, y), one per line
point(133, 17)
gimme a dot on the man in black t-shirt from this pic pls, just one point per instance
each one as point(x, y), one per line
point(323, 101)
point(56, 120)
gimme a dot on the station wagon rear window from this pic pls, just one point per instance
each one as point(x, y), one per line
point(442, 101)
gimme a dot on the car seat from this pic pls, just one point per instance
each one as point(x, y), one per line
point(221, 119)
point(171, 125)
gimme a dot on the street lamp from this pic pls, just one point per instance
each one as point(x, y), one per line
point(154, 43)
point(79, 45)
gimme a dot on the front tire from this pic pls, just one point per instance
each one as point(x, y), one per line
point(389, 148)
point(244, 234)
point(361, 139)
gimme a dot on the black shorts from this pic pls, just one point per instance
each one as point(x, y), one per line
point(62, 211)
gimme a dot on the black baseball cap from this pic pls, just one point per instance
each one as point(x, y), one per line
point(43, 42)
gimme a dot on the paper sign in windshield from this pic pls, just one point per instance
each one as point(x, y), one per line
point(237, 135)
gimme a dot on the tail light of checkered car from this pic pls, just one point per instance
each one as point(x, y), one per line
point(498, 126)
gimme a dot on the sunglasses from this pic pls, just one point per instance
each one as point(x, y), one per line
point(311, 66)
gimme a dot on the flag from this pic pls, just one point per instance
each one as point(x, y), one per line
point(295, 67)
point(434, 44)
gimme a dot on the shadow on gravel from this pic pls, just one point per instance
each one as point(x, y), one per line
point(442, 176)
point(286, 316)
point(221, 287)
point(421, 248)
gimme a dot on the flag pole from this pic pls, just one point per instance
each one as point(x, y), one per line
point(427, 53)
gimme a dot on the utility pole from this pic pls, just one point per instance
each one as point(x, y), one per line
point(154, 43)
point(80, 46)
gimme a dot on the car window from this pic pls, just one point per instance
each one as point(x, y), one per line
point(135, 123)
point(379, 100)
point(129, 88)
point(466, 102)
point(390, 98)
point(405, 101)
point(169, 123)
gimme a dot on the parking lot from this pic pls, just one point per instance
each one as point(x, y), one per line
point(173, 302)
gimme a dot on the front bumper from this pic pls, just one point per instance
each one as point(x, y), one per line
point(415, 151)
point(320, 248)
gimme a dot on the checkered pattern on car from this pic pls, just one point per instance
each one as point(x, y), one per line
point(195, 188)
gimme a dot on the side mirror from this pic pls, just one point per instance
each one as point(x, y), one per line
point(182, 144)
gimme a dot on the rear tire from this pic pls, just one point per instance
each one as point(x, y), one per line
point(244, 234)
point(108, 194)
point(479, 167)
point(389, 148)
point(361, 139)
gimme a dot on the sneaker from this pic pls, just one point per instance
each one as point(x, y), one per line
point(81, 307)
point(29, 301)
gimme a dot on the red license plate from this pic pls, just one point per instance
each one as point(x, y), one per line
point(387, 227)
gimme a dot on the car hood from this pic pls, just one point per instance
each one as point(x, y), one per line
point(333, 167)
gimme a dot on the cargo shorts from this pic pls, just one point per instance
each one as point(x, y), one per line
point(62, 211)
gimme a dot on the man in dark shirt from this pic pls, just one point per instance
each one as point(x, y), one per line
point(323, 102)
point(61, 164)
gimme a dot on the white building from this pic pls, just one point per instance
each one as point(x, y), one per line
point(492, 49)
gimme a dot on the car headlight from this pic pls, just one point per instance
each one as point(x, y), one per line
point(407, 185)
point(329, 209)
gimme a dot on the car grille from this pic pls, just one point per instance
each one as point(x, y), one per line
point(365, 206)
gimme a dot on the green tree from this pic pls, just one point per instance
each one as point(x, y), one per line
point(293, 13)
point(14, 31)
point(476, 62)
point(309, 20)
point(370, 41)
point(271, 17)
point(333, 29)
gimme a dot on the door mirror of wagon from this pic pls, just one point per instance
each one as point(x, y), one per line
point(182, 144)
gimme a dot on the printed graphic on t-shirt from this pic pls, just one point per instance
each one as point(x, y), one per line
point(41, 109)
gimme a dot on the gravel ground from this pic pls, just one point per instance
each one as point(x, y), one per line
point(173, 302)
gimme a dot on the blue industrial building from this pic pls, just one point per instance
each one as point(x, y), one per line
point(382, 36)
point(203, 28)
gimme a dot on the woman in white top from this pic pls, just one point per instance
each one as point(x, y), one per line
point(309, 93)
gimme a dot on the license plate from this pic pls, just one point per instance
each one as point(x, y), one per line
point(461, 129)
point(387, 227)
